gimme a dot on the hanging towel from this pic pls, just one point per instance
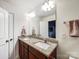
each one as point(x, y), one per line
point(71, 26)
point(77, 27)
point(74, 28)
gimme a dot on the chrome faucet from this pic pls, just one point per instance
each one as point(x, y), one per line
point(45, 40)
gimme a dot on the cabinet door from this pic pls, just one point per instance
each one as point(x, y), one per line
point(53, 54)
point(20, 50)
point(36, 53)
point(32, 56)
point(25, 53)
point(23, 50)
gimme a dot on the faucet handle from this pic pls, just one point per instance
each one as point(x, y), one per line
point(45, 40)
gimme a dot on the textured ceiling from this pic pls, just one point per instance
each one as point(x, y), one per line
point(25, 4)
point(28, 6)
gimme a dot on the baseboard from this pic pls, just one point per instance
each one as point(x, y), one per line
point(17, 57)
point(62, 57)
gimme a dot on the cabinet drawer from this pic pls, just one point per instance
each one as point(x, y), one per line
point(36, 53)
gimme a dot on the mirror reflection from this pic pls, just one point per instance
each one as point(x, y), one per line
point(42, 20)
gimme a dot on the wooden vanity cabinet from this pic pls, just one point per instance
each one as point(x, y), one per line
point(23, 50)
point(53, 55)
point(28, 52)
point(35, 54)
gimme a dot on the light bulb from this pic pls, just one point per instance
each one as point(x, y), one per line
point(48, 5)
point(49, 9)
point(44, 7)
point(51, 3)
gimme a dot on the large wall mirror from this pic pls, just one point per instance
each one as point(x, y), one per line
point(43, 19)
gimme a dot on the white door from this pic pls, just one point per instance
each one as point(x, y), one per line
point(11, 35)
point(44, 28)
point(3, 34)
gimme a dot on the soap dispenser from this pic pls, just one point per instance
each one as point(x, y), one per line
point(23, 32)
point(33, 32)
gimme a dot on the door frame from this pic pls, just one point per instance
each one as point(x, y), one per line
point(13, 35)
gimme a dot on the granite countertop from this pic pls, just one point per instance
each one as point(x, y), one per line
point(32, 41)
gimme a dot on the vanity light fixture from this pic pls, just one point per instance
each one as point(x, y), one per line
point(47, 6)
point(51, 3)
point(44, 7)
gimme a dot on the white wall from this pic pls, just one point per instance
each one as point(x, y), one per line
point(44, 24)
point(67, 10)
point(48, 18)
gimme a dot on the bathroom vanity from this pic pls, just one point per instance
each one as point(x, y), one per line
point(32, 48)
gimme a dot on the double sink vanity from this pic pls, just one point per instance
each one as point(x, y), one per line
point(35, 48)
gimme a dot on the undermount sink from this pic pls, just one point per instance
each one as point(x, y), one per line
point(42, 45)
point(26, 39)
